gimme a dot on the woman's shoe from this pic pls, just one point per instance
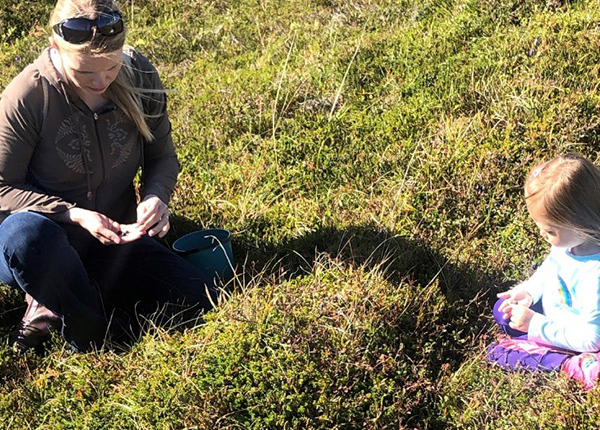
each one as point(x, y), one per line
point(36, 327)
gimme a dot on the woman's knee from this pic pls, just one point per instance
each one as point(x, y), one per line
point(26, 233)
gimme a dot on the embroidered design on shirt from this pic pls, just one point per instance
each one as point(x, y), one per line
point(71, 151)
point(119, 143)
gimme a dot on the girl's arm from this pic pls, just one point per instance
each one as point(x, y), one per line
point(516, 306)
point(574, 325)
point(576, 333)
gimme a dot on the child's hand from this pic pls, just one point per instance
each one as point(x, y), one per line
point(513, 297)
point(520, 317)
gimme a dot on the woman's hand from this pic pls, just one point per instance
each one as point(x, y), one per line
point(130, 232)
point(153, 216)
point(103, 228)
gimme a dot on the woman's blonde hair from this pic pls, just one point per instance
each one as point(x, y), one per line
point(568, 188)
point(122, 91)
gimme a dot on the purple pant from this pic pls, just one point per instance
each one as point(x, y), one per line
point(512, 356)
point(503, 323)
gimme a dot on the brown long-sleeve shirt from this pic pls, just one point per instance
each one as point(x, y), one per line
point(55, 153)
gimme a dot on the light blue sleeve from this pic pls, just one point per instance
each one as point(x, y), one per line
point(575, 335)
point(575, 328)
point(535, 285)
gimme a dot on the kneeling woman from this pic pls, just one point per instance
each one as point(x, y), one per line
point(75, 127)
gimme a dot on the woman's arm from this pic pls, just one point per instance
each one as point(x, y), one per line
point(160, 164)
point(21, 117)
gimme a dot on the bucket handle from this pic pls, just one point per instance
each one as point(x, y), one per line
point(204, 248)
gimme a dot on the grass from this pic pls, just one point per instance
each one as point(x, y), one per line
point(369, 157)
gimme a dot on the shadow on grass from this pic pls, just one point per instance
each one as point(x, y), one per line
point(439, 346)
point(433, 347)
point(12, 307)
point(399, 258)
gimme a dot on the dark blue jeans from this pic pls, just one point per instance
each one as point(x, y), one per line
point(98, 290)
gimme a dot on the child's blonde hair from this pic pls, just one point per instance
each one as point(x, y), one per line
point(568, 188)
point(122, 91)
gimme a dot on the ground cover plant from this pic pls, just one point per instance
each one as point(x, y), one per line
point(368, 156)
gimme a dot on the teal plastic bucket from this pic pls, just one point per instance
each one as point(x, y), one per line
point(208, 250)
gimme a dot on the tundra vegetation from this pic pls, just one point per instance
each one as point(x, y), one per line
point(368, 156)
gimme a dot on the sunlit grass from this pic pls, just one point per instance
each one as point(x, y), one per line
point(368, 157)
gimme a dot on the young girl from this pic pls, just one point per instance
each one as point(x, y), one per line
point(563, 198)
point(75, 127)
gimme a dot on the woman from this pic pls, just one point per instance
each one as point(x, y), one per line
point(75, 127)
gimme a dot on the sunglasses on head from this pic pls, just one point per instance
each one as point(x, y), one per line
point(80, 30)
